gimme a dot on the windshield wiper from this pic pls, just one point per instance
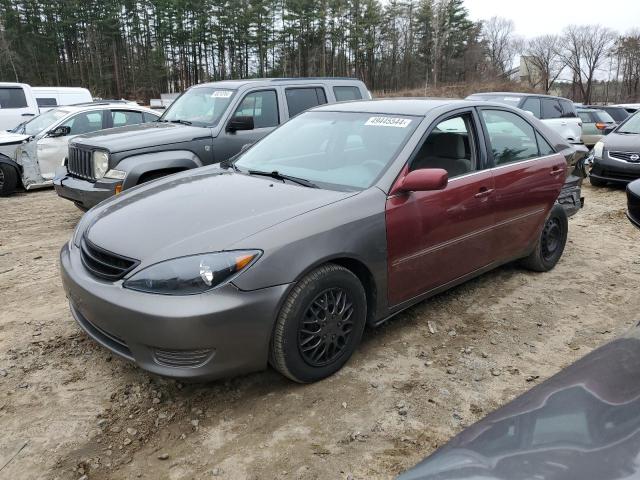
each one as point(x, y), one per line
point(627, 132)
point(183, 122)
point(279, 176)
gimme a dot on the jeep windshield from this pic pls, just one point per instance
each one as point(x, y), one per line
point(333, 150)
point(199, 106)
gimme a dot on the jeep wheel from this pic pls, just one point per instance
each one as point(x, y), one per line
point(8, 179)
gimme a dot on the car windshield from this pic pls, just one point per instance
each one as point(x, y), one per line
point(43, 121)
point(632, 125)
point(199, 106)
point(334, 150)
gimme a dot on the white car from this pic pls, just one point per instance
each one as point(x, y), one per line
point(17, 104)
point(30, 154)
point(558, 113)
point(52, 97)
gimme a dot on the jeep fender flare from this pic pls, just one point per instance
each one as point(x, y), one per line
point(138, 165)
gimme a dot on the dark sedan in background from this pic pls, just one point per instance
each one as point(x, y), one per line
point(342, 217)
point(581, 424)
point(633, 202)
point(616, 158)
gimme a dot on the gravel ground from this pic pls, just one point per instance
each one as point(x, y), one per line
point(70, 410)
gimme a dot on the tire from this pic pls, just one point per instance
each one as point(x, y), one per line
point(596, 182)
point(8, 179)
point(325, 292)
point(551, 242)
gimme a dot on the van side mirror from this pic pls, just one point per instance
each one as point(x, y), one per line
point(240, 123)
point(423, 180)
point(61, 131)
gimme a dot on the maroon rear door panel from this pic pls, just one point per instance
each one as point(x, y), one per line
point(524, 193)
point(436, 237)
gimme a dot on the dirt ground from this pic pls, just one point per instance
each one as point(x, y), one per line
point(70, 410)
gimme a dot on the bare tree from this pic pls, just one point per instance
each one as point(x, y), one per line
point(543, 61)
point(584, 49)
point(628, 55)
point(501, 43)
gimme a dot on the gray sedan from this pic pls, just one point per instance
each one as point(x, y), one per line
point(341, 218)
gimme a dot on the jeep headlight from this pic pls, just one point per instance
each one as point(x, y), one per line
point(100, 163)
point(193, 274)
point(598, 148)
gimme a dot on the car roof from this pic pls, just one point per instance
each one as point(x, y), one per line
point(235, 84)
point(518, 94)
point(397, 106)
point(81, 107)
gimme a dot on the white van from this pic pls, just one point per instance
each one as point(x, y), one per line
point(17, 104)
point(52, 97)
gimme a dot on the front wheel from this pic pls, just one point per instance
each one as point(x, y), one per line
point(551, 242)
point(320, 325)
point(8, 179)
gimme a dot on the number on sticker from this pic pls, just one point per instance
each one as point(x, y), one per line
point(388, 122)
point(222, 94)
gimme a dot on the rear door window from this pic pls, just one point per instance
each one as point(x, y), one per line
point(344, 94)
point(551, 108)
point(12, 97)
point(122, 118)
point(532, 104)
point(262, 106)
point(301, 99)
point(512, 138)
point(568, 109)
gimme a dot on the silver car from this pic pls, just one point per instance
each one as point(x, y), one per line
point(31, 152)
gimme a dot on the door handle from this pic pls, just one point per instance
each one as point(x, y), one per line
point(555, 171)
point(484, 192)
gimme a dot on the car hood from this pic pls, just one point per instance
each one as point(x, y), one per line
point(9, 138)
point(200, 211)
point(622, 141)
point(140, 136)
point(583, 423)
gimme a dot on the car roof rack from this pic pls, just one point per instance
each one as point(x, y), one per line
point(100, 102)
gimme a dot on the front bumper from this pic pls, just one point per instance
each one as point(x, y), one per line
point(633, 203)
point(616, 171)
point(220, 333)
point(84, 193)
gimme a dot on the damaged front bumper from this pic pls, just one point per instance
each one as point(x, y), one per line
point(83, 193)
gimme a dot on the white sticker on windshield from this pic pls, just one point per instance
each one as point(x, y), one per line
point(221, 94)
point(511, 99)
point(388, 122)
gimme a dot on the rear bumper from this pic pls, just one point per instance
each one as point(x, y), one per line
point(82, 192)
point(571, 195)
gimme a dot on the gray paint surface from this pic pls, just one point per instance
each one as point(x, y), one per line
point(583, 423)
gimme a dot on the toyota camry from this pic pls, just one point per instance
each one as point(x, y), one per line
point(341, 218)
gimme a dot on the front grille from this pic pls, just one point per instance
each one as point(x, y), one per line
point(182, 358)
point(631, 157)
point(105, 264)
point(80, 164)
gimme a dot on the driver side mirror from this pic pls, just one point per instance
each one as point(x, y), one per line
point(240, 123)
point(423, 180)
point(61, 131)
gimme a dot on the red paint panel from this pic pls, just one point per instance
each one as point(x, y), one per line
point(438, 236)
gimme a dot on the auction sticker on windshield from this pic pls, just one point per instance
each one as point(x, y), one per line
point(222, 94)
point(388, 122)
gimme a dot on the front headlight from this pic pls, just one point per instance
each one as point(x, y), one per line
point(598, 148)
point(193, 274)
point(100, 163)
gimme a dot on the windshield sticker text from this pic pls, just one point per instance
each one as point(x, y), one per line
point(388, 122)
point(221, 94)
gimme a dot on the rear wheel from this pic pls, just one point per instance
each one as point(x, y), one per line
point(551, 242)
point(8, 179)
point(596, 182)
point(320, 325)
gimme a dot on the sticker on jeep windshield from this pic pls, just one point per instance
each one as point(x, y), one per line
point(221, 94)
point(388, 122)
